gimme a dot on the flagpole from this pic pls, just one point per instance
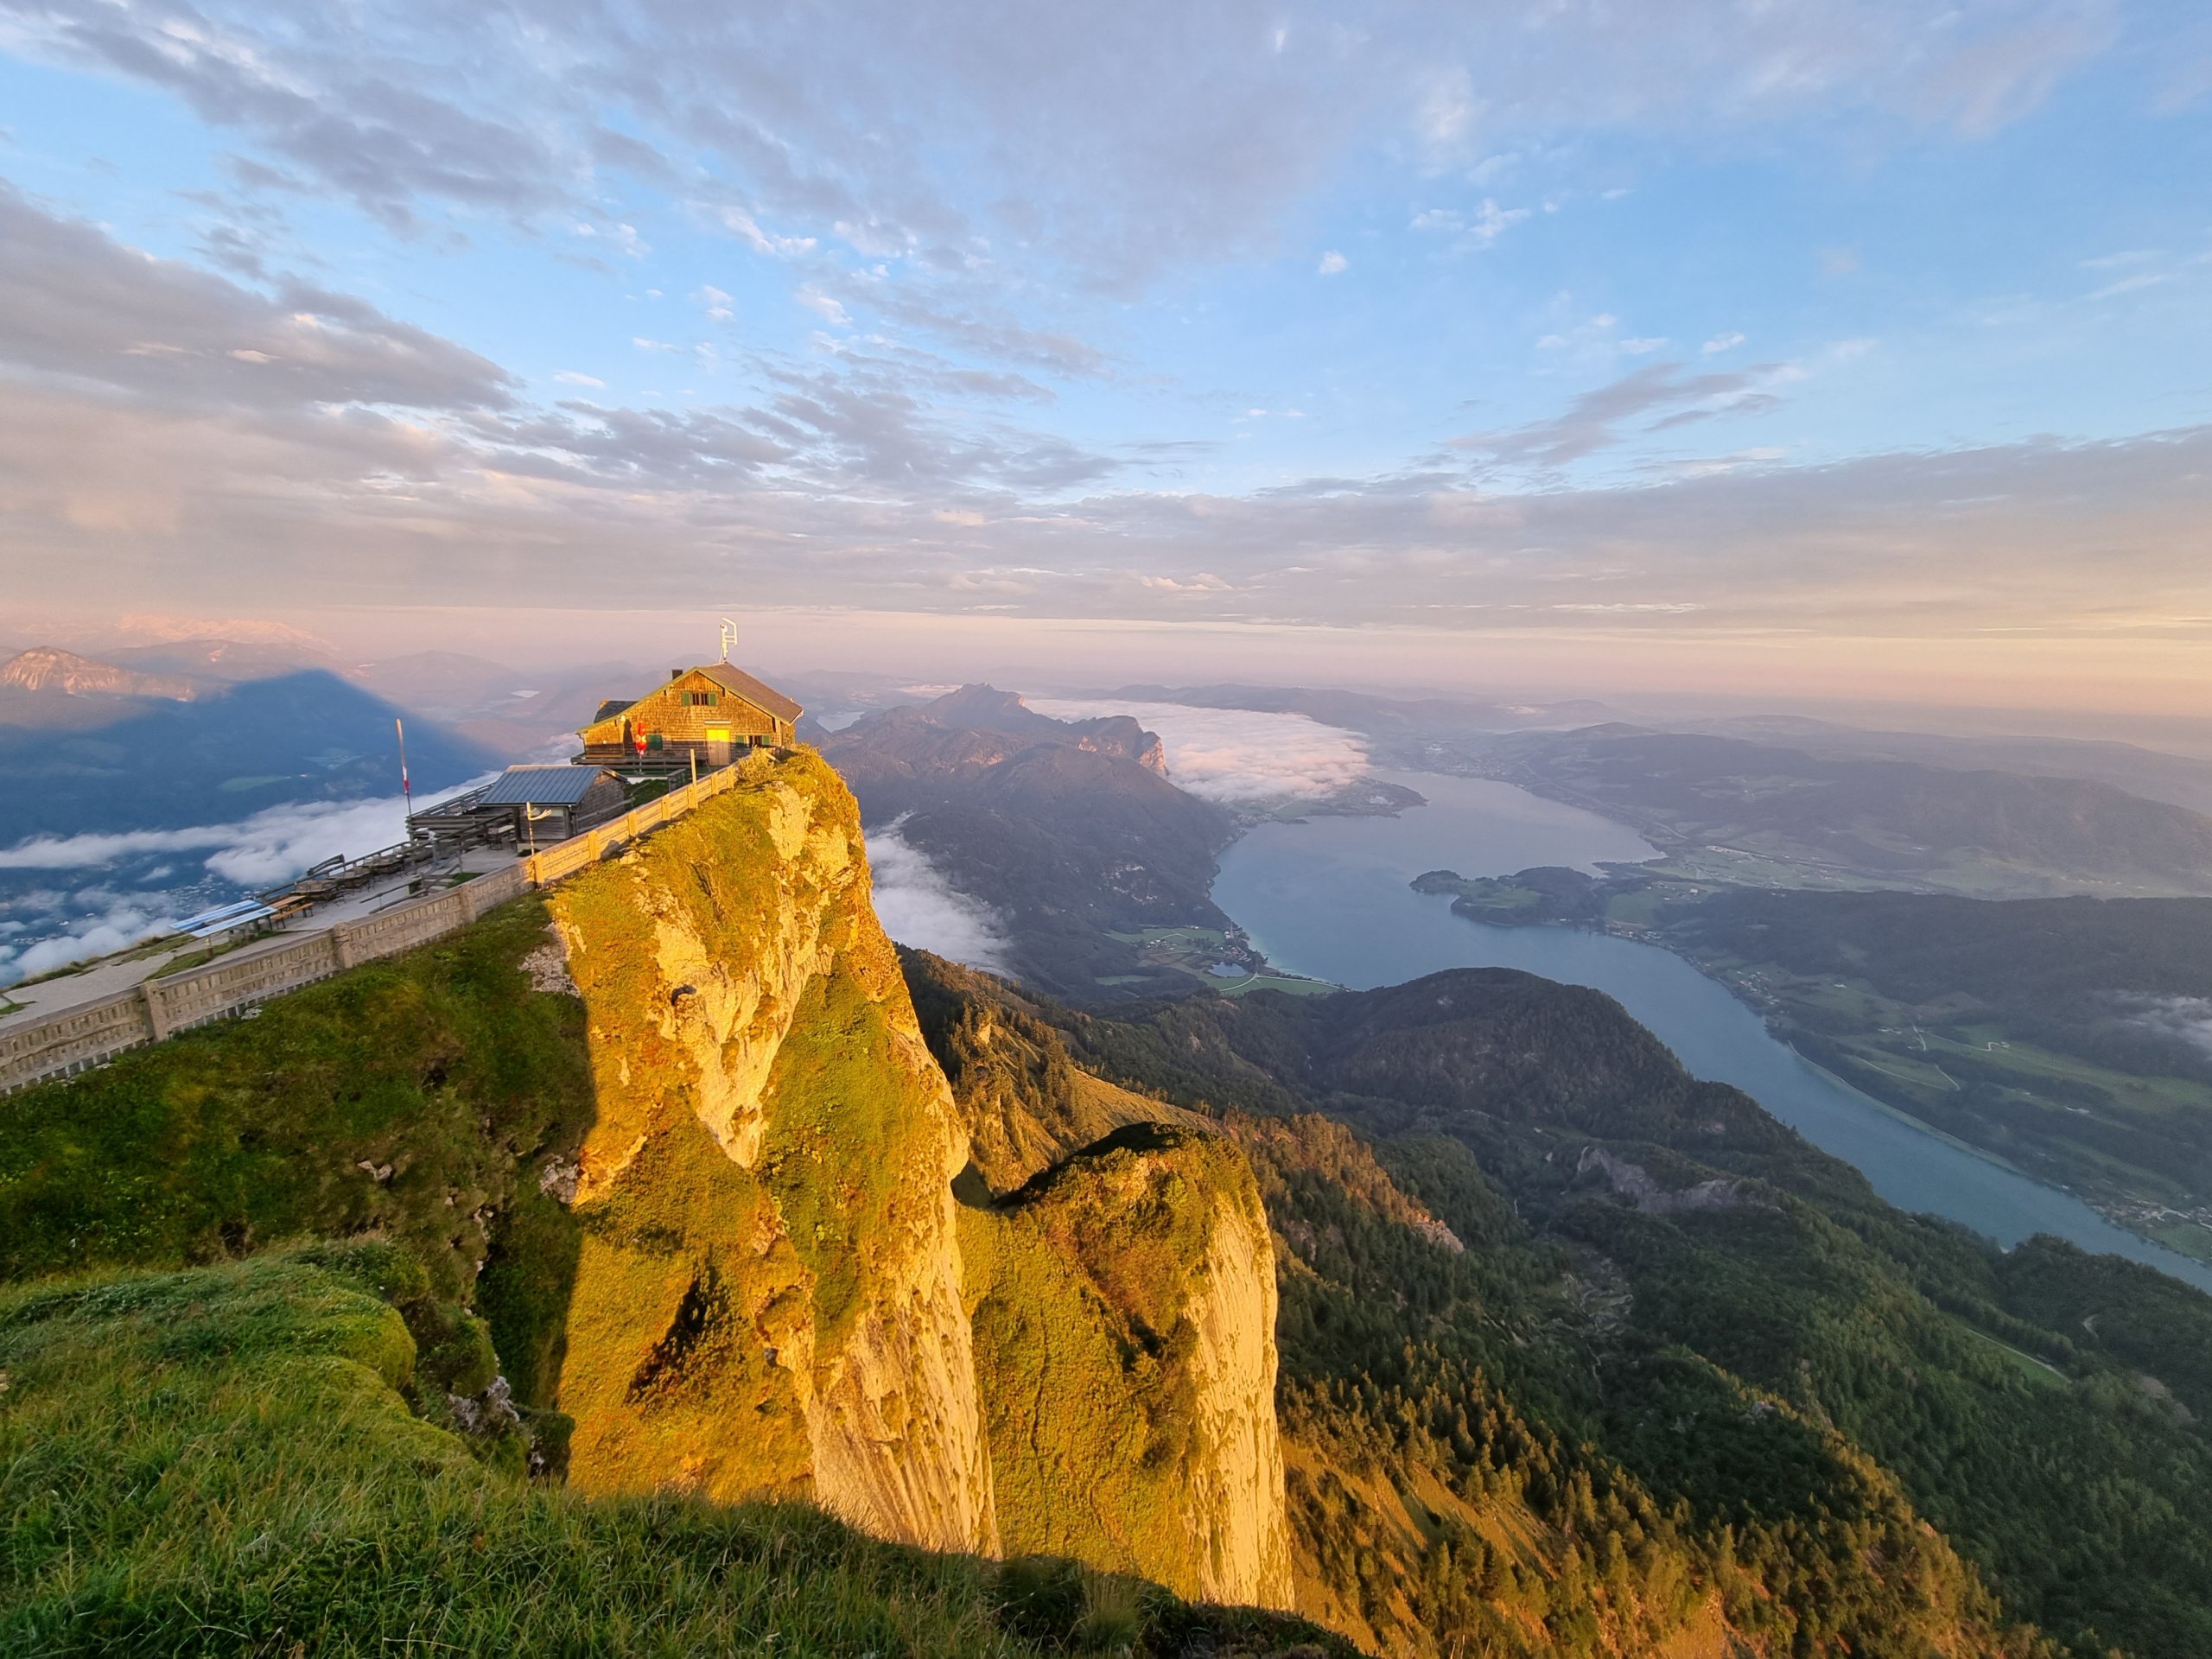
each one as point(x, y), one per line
point(406, 789)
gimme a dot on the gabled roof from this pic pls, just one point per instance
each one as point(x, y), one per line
point(611, 708)
point(760, 696)
point(560, 786)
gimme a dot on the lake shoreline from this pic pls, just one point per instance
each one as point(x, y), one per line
point(1333, 900)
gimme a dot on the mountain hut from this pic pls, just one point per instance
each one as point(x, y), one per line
point(706, 712)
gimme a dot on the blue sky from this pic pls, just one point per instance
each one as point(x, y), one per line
point(1853, 326)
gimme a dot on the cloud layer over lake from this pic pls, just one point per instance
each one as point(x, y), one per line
point(1236, 757)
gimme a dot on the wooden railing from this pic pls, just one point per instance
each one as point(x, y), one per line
point(74, 1039)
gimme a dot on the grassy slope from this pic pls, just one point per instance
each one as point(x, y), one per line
point(441, 1069)
point(222, 1460)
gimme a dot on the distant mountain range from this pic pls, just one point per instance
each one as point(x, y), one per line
point(513, 713)
point(101, 747)
point(1071, 830)
point(2181, 780)
point(1734, 810)
point(1383, 717)
point(1784, 798)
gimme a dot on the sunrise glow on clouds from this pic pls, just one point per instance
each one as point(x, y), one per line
point(1696, 324)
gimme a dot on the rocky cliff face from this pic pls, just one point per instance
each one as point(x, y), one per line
point(767, 1298)
point(1125, 1311)
point(776, 1293)
point(1124, 1284)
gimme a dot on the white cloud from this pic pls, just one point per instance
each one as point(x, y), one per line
point(1204, 582)
point(1235, 756)
point(2185, 1018)
point(919, 908)
point(1727, 342)
point(273, 845)
point(823, 305)
point(573, 378)
point(117, 928)
point(1333, 264)
point(715, 302)
point(760, 241)
point(1493, 221)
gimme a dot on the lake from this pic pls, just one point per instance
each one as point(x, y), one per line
point(1330, 898)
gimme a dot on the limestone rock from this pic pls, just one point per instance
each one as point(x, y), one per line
point(767, 1298)
point(1125, 1331)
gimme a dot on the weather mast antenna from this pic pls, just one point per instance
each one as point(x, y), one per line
point(729, 638)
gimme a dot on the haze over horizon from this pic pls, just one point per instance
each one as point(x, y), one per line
point(1853, 352)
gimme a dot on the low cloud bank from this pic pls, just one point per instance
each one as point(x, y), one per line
point(273, 845)
point(2185, 1018)
point(1234, 756)
point(122, 924)
point(46, 926)
point(919, 908)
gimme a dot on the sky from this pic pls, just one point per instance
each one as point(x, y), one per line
point(1855, 348)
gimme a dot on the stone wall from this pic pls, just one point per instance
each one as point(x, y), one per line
point(76, 1038)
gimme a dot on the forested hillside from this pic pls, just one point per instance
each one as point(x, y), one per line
point(1730, 1320)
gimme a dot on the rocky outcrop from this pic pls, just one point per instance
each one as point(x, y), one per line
point(776, 1293)
point(1636, 1184)
point(1024, 1102)
point(1125, 1311)
point(1239, 1532)
point(767, 1296)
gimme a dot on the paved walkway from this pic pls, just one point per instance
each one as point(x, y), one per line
point(103, 978)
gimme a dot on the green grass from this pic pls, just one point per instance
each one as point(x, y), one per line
point(2039, 1372)
point(441, 1069)
point(223, 1461)
point(1277, 982)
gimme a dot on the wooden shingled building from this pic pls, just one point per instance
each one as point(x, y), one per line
point(709, 714)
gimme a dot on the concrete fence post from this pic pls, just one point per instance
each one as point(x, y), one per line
point(341, 944)
point(157, 1025)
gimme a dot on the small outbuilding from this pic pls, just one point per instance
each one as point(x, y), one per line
point(551, 804)
point(701, 716)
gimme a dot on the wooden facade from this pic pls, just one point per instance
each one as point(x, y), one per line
point(710, 715)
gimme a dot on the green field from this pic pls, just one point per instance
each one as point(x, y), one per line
point(1195, 951)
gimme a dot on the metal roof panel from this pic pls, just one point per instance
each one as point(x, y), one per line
point(562, 785)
